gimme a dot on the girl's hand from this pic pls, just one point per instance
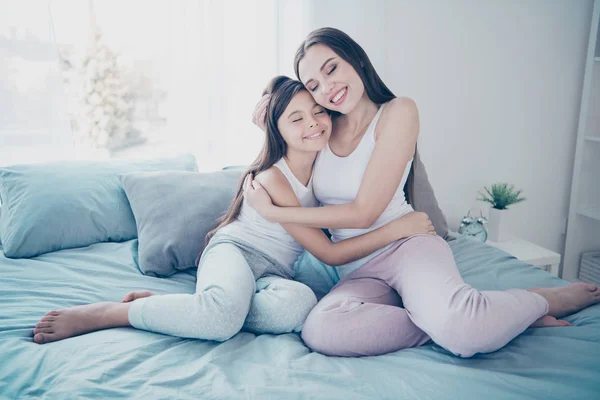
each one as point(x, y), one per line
point(131, 296)
point(260, 113)
point(257, 197)
point(412, 223)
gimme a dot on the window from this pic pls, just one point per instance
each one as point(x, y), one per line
point(134, 79)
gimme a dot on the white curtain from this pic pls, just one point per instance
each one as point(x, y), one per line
point(33, 117)
point(134, 79)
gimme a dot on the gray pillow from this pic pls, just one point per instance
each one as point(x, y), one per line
point(420, 196)
point(174, 210)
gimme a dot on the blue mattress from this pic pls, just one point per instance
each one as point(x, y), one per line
point(549, 363)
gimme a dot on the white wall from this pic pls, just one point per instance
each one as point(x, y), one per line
point(498, 85)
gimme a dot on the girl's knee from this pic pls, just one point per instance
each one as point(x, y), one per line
point(230, 309)
point(280, 307)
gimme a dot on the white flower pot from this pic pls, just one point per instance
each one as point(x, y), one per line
point(497, 225)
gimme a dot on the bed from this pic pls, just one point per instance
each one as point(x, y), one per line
point(548, 363)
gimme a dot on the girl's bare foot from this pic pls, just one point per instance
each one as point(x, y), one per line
point(131, 296)
point(548, 321)
point(74, 321)
point(569, 299)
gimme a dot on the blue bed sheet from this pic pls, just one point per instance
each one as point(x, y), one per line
point(548, 363)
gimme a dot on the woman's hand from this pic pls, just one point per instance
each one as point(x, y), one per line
point(412, 223)
point(260, 113)
point(257, 197)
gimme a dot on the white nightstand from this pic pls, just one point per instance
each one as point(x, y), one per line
point(530, 253)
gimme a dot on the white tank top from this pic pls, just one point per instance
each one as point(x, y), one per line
point(337, 180)
point(268, 237)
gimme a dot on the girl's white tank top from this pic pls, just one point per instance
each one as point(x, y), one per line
point(270, 238)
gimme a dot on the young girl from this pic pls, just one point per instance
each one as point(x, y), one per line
point(246, 252)
point(359, 178)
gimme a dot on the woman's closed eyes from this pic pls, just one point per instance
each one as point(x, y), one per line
point(333, 68)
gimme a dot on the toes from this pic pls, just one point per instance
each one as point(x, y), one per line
point(549, 321)
point(42, 338)
point(48, 319)
point(53, 313)
point(39, 338)
point(44, 330)
point(43, 324)
point(590, 287)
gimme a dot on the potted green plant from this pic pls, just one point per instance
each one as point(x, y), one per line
point(500, 197)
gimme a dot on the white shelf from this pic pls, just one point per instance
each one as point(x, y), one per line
point(593, 213)
point(593, 139)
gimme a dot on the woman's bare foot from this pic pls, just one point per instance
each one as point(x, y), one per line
point(547, 321)
point(74, 321)
point(131, 296)
point(569, 299)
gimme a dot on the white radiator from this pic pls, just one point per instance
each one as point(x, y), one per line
point(589, 270)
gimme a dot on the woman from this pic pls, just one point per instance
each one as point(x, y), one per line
point(359, 179)
point(245, 252)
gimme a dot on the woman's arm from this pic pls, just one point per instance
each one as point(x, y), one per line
point(318, 244)
point(397, 132)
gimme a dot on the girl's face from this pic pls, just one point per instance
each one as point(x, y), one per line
point(304, 125)
point(331, 80)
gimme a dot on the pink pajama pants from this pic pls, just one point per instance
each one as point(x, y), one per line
point(411, 293)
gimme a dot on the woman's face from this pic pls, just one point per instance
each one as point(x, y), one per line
point(331, 80)
point(304, 125)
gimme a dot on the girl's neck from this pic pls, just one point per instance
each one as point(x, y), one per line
point(355, 122)
point(301, 164)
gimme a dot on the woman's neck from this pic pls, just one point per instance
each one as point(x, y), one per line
point(301, 164)
point(355, 122)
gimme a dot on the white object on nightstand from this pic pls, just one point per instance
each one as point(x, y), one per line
point(530, 253)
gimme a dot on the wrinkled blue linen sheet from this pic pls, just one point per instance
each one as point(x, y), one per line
point(547, 363)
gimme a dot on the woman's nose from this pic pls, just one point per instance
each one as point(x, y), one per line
point(326, 88)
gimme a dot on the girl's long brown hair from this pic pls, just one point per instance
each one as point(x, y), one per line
point(282, 89)
point(345, 47)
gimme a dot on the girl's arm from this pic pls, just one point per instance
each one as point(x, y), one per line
point(397, 132)
point(345, 251)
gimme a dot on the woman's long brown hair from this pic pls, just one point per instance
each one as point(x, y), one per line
point(282, 89)
point(345, 47)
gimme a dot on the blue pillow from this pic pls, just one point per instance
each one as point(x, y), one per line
point(174, 210)
point(315, 274)
point(60, 205)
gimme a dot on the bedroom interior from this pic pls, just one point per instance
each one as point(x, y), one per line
point(126, 126)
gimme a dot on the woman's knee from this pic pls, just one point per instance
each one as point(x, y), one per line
point(322, 332)
point(317, 334)
point(432, 243)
